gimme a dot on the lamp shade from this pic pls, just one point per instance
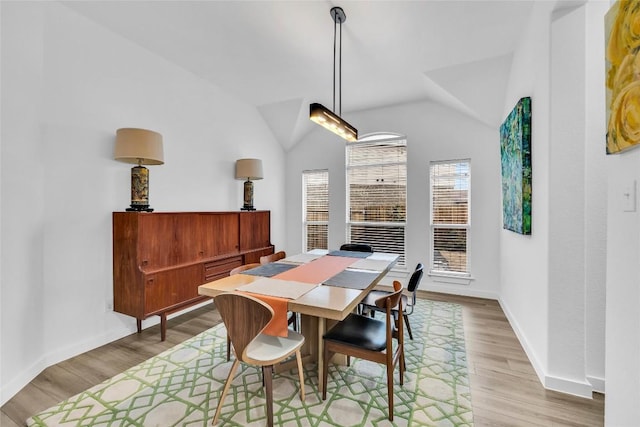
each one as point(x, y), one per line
point(249, 169)
point(140, 146)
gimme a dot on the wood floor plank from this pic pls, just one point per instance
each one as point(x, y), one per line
point(505, 390)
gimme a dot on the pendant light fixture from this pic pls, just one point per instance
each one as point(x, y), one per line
point(321, 114)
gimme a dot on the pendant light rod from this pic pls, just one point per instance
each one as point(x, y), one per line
point(318, 113)
point(339, 17)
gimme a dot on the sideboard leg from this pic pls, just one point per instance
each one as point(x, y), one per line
point(163, 326)
point(139, 325)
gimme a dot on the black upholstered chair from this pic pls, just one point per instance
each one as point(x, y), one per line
point(370, 339)
point(356, 247)
point(408, 304)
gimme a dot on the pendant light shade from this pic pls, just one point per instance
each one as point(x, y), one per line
point(330, 121)
point(318, 112)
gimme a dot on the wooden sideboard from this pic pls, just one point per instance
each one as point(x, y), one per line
point(160, 258)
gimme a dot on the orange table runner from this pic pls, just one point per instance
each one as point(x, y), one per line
point(278, 326)
point(318, 270)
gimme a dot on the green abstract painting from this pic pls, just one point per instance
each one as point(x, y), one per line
point(515, 155)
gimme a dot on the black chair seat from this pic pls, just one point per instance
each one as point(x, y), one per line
point(370, 299)
point(360, 331)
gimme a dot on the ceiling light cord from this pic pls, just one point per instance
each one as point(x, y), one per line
point(340, 75)
point(335, 24)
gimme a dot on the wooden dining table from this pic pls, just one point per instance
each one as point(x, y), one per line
point(322, 286)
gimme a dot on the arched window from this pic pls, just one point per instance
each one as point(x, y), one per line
point(376, 168)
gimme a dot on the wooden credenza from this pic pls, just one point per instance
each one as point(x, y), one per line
point(160, 258)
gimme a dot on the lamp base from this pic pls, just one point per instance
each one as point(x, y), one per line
point(248, 196)
point(140, 208)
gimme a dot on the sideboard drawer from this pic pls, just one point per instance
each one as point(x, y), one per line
point(221, 268)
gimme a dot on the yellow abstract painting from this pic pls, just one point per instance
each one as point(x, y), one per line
point(622, 30)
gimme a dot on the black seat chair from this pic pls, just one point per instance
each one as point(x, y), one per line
point(356, 247)
point(370, 339)
point(368, 303)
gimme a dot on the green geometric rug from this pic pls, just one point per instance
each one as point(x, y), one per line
point(181, 386)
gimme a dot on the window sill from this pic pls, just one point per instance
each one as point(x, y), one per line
point(455, 279)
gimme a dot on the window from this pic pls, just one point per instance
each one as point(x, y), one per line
point(315, 210)
point(377, 193)
point(450, 199)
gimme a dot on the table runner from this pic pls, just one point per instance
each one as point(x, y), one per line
point(279, 324)
point(317, 271)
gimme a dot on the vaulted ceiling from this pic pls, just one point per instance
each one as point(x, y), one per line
point(278, 55)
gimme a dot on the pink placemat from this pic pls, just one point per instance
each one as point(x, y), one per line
point(317, 271)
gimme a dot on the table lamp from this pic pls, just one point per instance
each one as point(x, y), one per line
point(141, 147)
point(248, 169)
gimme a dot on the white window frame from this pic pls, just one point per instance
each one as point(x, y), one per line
point(434, 271)
point(377, 137)
point(305, 223)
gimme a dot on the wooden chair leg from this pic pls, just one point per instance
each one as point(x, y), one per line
point(406, 322)
point(228, 348)
point(402, 366)
point(267, 374)
point(300, 374)
point(390, 390)
point(225, 390)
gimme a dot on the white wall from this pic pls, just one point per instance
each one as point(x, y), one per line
point(433, 133)
point(524, 264)
point(68, 84)
point(623, 295)
point(595, 197)
point(22, 215)
point(622, 292)
point(552, 282)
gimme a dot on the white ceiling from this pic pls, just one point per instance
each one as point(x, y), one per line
point(278, 55)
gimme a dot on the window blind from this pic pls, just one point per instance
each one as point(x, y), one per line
point(315, 185)
point(377, 194)
point(450, 200)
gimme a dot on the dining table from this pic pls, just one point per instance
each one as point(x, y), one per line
point(322, 286)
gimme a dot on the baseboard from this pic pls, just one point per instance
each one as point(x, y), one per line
point(563, 385)
point(7, 391)
point(597, 383)
point(460, 290)
point(573, 387)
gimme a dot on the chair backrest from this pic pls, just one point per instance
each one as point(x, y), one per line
point(244, 267)
point(356, 247)
point(393, 298)
point(244, 317)
point(416, 277)
point(389, 302)
point(266, 259)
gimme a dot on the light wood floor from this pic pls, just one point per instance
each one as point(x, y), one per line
point(505, 390)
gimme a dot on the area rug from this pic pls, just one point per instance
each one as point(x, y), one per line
point(181, 387)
